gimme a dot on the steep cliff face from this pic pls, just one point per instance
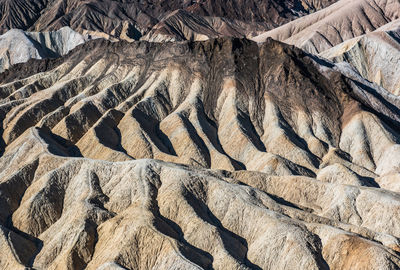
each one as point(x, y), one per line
point(220, 154)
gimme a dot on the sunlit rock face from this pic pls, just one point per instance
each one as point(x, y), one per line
point(376, 55)
point(17, 46)
point(217, 154)
point(339, 22)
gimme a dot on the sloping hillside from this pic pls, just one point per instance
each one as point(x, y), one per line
point(281, 160)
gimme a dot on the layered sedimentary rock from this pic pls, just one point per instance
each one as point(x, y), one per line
point(376, 55)
point(220, 154)
point(17, 46)
point(339, 22)
point(182, 25)
point(131, 19)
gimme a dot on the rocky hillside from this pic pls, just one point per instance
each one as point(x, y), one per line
point(131, 19)
point(17, 46)
point(220, 154)
point(376, 55)
point(339, 22)
point(179, 134)
point(181, 25)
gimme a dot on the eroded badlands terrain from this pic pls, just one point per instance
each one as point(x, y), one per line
point(156, 135)
point(221, 154)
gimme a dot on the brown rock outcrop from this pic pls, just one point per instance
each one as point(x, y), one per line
point(130, 19)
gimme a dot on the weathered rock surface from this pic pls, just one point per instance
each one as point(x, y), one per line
point(182, 25)
point(131, 19)
point(221, 154)
point(17, 46)
point(339, 22)
point(376, 55)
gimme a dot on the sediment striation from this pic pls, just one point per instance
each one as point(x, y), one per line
point(335, 24)
point(375, 56)
point(17, 46)
point(219, 154)
point(131, 19)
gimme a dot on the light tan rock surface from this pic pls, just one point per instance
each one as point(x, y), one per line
point(219, 154)
point(376, 55)
point(17, 46)
point(339, 22)
point(79, 213)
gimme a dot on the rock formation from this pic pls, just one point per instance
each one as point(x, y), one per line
point(220, 154)
point(339, 22)
point(175, 142)
point(131, 19)
point(17, 46)
point(376, 55)
point(181, 25)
